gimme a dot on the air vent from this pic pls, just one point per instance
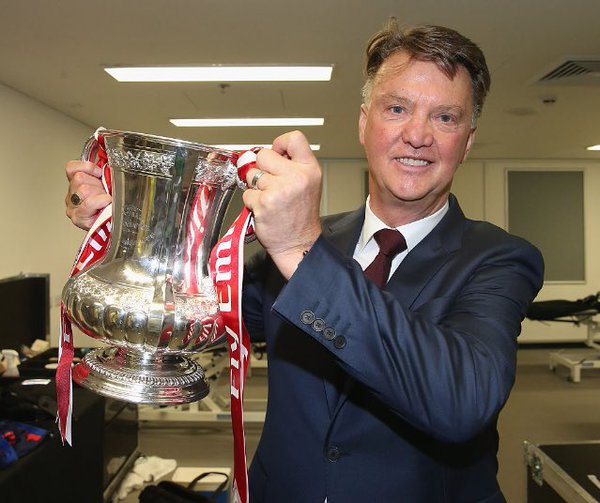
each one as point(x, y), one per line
point(575, 72)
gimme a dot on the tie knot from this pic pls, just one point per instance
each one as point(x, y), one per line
point(390, 241)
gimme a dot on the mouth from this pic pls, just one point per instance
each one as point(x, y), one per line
point(412, 162)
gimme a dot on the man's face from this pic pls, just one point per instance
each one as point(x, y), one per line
point(416, 129)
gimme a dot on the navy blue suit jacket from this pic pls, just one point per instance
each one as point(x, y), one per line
point(389, 395)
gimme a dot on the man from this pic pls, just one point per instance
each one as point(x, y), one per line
point(386, 389)
point(387, 394)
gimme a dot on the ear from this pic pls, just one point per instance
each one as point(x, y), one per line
point(362, 123)
point(469, 144)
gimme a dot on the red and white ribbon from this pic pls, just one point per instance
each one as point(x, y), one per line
point(93, 248)
point(226, 268)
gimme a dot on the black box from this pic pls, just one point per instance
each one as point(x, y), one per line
point(558, 473)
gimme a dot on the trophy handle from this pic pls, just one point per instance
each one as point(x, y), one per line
point(90, 153)
point(90, 149)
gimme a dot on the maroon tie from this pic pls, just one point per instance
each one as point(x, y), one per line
point(390, 242)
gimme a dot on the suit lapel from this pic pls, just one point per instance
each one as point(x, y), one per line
point(424, 261)
point(343, 230)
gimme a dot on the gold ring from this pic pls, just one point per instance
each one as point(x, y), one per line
point(75, 199)
point(255, 178)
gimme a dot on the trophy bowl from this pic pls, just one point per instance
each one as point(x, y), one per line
point(151, 298)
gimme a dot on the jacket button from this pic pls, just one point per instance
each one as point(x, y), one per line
point(307, 317)
point(333, 453)
point(329, 333)
point(318, 325)
point(339, 342)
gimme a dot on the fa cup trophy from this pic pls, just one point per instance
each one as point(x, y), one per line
point(151, 297)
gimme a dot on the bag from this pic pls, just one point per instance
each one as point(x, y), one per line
point(18, 439)
point(171, 492)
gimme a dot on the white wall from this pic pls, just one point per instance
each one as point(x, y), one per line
point(35, 143)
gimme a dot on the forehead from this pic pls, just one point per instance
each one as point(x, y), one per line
point(400, 73)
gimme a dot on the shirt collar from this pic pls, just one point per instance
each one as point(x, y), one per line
point(413, 232)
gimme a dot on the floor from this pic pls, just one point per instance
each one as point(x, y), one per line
point(544, 407)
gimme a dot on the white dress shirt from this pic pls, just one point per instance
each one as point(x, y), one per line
point(366, 249)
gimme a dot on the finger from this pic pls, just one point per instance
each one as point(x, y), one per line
point(295, 145)
point(95, 203)
point(272, 162)
point(84, 214)
point(89, 168)
point(87, 206)
point(86, 187)
point(80, 178)
point(256, 176)
point(250, 199)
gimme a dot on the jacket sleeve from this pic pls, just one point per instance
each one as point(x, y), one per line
point(445, 362)
point(253, 296)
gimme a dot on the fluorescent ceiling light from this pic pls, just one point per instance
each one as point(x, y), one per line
point(249, 146)
point(594, 147)
point(248, 122)
point(221, 73)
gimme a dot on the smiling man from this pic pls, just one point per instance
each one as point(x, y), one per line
point(392, 330)
point(385, 384)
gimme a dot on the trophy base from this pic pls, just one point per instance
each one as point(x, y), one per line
point(124, 374)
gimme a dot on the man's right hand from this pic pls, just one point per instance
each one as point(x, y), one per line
point(84, 180)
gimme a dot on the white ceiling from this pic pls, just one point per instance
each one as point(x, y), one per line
point(55, 51)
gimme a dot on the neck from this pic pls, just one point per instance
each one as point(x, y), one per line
point(404, 212)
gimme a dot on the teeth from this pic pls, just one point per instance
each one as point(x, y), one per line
point(413, 162)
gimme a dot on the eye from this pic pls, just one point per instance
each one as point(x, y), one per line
point(447, 119)
point(396, 109)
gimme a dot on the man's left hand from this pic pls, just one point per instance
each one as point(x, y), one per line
point(285, 200)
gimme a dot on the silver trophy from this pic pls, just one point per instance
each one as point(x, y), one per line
point(151, 298)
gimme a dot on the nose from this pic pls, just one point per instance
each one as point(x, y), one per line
point(417, 132)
